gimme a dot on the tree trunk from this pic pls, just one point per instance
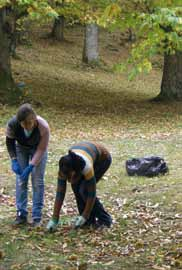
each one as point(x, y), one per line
point(90, 49)
point(58, 28)
point(131, 35)
point(13, 42)
point(171, 86)
point(8, 91)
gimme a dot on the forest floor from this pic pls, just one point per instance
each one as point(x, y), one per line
point(85, 103)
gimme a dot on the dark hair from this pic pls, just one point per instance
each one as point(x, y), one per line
point(24, 111)
point(71, 162)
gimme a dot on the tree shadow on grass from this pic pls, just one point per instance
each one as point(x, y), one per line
point(89, 98)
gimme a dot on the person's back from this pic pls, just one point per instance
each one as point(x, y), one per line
point(93, 150)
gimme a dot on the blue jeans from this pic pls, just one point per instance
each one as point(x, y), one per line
point(24, 155)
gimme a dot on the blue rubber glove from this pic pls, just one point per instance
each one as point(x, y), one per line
point(79, 221)
point(52, 225)
point(26, 172)
point(16, 167)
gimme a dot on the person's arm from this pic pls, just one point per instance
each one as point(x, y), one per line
point(91, 192)
point(91, 196)
point(10, 138)
point(11, 147)
point(43, 144)
point(60, 194)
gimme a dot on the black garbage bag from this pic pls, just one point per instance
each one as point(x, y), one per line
point(146, 166)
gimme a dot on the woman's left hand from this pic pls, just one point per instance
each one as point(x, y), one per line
point(26, 172)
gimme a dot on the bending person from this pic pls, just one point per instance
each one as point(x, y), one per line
point(83, 167)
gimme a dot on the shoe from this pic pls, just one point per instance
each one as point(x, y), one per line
point(101, 225)
point(36, 224)
point(20, 220)
point(89, 223)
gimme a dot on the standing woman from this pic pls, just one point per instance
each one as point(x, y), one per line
point(27, 137)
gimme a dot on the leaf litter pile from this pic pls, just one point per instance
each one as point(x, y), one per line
point(141, 234)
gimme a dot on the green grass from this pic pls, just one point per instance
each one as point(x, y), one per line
point(82, 103)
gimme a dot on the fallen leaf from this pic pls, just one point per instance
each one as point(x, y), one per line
point(83, 266)
point(73, 257)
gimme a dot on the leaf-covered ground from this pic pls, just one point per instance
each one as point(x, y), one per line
point(82, 103)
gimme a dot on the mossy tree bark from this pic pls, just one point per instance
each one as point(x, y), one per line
point(90, 49)
point(9, 93)
point(171, 85)
point(58, 28)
